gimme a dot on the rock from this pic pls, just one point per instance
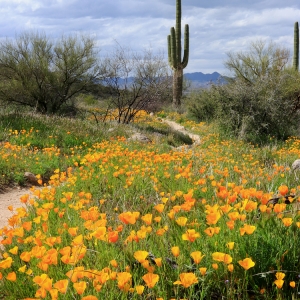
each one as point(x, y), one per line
point(140, 138)
point(296, 165)
point(30, 177)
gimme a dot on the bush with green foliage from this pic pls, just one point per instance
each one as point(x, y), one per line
point(260, 102)
point(46, 75)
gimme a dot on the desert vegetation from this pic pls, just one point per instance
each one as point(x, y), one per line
point(161, 218)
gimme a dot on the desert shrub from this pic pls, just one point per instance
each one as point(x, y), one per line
point(202, 104)
point(261, 111)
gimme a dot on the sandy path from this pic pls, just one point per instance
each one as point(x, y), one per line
point(10, 197)
point(180, 128)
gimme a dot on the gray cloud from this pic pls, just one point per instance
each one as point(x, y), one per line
point(216, 26)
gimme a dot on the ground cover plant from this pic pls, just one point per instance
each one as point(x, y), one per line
point(127, 220)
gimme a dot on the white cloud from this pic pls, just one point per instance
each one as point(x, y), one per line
point(216, 26)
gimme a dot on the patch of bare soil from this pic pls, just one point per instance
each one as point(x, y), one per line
point(10, 197)
point(180, 128)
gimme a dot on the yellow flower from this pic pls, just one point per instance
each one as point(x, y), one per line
point(197, 256)
point(222, 257)
point(14, 250)
point(247, 263)
point(150, 279)
point(287, 221)
point(175, 251)
point(230, 245)
point(190, 235)
point(230, 267)
point(202, 271)
point(181, 221)
point(139, 289)
point(186, 279)
point(140, 256)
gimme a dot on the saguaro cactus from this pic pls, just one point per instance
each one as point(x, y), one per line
point(174, 53)
point(296, 47)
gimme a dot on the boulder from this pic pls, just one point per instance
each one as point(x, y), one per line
point(296, 165)
point(140, 138)
point(31, 178)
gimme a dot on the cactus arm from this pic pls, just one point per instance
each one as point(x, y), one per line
point(169, 51)
point(296, 47)
point(173, 49)
point(186, 47)
point(178, 31)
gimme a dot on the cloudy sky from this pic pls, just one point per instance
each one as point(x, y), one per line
point(216, 26)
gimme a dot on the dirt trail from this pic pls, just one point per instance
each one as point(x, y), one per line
point(10, 197)
point(180, 128)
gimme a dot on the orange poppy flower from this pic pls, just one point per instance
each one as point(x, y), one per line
point(175, 251)
point(247, 263)
point(140, 256)
point(187, 279)
point(197, 256)
point(11, 276)
point(62, 285)
point(150, 279)
point(79, 287)
point(190, 235)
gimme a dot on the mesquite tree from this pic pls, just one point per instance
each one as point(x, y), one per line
point(174, 53)
point(296, 47)
point(45, 74)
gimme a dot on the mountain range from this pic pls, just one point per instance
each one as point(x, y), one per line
point(199, 79)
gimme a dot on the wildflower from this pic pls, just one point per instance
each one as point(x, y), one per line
point(6, 263)
point(139, 289)
point(11, 276)
point(279, 281)
point(190, 235)
point(147, 219)
point(246, 263)
point(113, 236)
point(89, 297)
point(62, 285)
point(181, 221)
point(158, 262)
point(150, 279)
point(249, 229)
point(292, 284)
point(79, 287)
point(202, 271)
point(197, 257)
point(287, 221)
point(186, 279)
point(222, 257)
point(14, 250)
point(175, 251)
point(230, 267)
point(129, 217)
point(283, 190)
point(140, 256)
point(123, 278)
point(230, 245)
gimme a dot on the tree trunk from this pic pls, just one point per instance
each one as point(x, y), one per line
point(177, 87)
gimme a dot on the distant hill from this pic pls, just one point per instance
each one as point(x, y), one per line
point(199, 79)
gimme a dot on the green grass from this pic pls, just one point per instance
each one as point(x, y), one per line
point(111, 198)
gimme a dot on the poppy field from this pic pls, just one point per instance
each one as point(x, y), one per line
point(121, 219)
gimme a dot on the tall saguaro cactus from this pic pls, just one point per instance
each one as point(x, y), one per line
point(296, 47)
point(174, 53)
